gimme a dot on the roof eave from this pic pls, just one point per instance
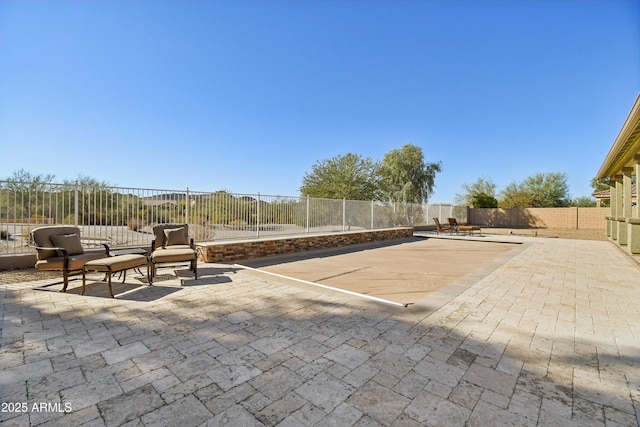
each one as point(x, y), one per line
point(626, 145)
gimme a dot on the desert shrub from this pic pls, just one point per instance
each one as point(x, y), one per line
point(135, 224)
point(201, 232)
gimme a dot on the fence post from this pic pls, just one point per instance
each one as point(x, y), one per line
point(308, 215)
point(186, 208)
point(75, 205)
point(258, 218)
point(344, 216)
point(372, 223)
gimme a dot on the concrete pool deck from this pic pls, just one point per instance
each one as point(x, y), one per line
point(550, 335)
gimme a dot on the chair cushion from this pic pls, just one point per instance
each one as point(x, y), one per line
point(42, 238)
point(175, 236)
point(173, 255)
point(158, 231)
point(70, 242)
point(116, 263)
point(76, 262)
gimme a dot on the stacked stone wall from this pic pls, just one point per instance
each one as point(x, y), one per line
point(233, 251)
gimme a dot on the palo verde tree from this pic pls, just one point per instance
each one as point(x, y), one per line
point(542, 190)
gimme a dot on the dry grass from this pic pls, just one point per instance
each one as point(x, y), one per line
point(8, 277)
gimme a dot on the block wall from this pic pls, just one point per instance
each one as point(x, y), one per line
point(575, 218)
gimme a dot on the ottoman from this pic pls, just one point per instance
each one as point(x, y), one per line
point(113, 265)
point(469, 229)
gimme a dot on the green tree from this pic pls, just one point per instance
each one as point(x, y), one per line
point(22, 180)
point(484, 200)
point(542, 190)
point(583, 202)
point(479, 194)
point(85, 180)
point(348, 176)
point(25, 198)
point(406, 177)
point(600, 185)
point(514, 196)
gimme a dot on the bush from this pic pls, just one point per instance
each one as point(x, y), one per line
point(4, 234)
point(135, 224)
point(201, 232)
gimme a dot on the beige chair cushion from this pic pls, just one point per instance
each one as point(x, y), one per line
point(76, 262)
point(173, 255)
point(70, 242)
point(176, 236)
point(117, 263)
point(158, 231)
point(42, 238)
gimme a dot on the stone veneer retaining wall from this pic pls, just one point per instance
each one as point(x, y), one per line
point(231, 251)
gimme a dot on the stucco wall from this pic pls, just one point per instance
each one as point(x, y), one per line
point(577, 218)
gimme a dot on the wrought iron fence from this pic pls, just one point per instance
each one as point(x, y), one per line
point(121, 216)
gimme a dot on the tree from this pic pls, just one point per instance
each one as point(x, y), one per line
point(405, 177)
point(513, 196)
point(27, 190)
point(348, 176)
point(480, 194)
point(537, 191)
point(484, 200)
point(583, 202)
point(22, 180)
point(600, 185)
point(87, 181)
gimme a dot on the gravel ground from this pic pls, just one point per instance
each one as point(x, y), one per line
point(26, 275)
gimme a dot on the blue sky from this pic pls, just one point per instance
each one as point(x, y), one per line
point(246, 96)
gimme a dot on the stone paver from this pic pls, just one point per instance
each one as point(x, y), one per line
point(551, 336)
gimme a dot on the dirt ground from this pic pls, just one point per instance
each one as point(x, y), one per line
point(561, 233)
point(27, 275)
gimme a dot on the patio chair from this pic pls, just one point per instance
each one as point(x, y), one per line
point(454, 226)
point(59, 248)
point(172, 244)
point(441, 227)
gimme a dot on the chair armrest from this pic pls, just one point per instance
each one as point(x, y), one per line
point(192, 242)
point(153, 245)
point(64, 252)
point(61, 251)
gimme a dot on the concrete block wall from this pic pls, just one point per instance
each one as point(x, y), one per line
point(232, 251)
point(575, 218)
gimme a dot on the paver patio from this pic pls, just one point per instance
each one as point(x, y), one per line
point(551, 337)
